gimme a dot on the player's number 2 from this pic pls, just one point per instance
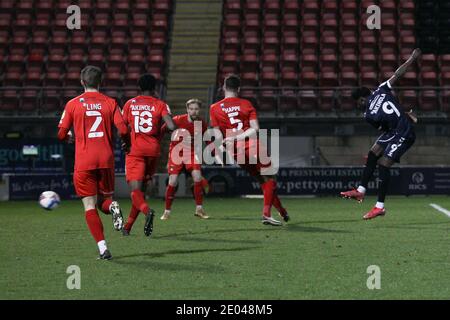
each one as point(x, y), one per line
point(233, 120)
point(93, 133)
point(142, 121)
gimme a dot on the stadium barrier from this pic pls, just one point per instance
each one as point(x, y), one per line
point(233, 182)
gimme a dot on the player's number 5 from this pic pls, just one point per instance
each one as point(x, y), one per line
point(142, 121)
point(233, 120)
point(93, 133)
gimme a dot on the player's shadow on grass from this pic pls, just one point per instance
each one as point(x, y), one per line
point(149, 264)
point(300, 227)
point(203, 240)
point(155, 255)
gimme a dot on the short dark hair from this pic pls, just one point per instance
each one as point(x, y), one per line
point(91, 76)
point(147, 82)
point(360, 92)
point(232, 82)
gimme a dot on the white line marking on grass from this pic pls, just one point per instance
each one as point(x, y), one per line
point(439, 208)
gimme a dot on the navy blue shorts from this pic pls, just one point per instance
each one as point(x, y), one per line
point(394, 146)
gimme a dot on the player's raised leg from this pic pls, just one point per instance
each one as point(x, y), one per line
point(371, 163)
point(170, 195)
point(198, 194)
point(105, 200)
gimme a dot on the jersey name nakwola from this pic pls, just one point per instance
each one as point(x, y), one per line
point(231, 109)
point(142, 108)
point(376, 103)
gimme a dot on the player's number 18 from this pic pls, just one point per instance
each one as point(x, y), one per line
point(142, 121)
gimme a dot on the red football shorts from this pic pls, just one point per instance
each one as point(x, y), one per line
point(177, 168)
point(94, 182)
point(140, 168)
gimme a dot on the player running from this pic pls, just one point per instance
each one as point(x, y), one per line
point(383, 112)
point(176, 166)
point(92, 116)
point(144, 114)
point(233, 114)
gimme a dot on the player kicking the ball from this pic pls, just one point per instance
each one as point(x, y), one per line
point(176, 166)
point(238, 117)
point(92, 116)
point(383, 111)
point(144, 114)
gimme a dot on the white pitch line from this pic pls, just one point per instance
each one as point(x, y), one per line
point(439, 208)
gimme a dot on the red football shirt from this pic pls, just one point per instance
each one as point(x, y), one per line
point(232, 113)
point(92, 116)
point(183, 122)
point(144, 116)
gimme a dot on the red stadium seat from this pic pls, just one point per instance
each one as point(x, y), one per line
point(308, 78)
point(29, 100)
point(288, 78)
point(253, 6)
point(9, 101)
point(429, 100)
point(268, 77)
point(445, 62)
point(232, 6)
point(308, 100)
point(429, 78)
point(327, 100)
point(267, 101)
point(290, 21)
point(288, 101)
point(291, 7)
point(445, 94)
point(311, 7)
point(272, 7)
point(346, 101)
point(249, 79)
point(445, 78)
point(408, 99)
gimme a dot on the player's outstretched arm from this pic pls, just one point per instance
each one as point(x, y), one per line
point(404, 67)
point(171, 126)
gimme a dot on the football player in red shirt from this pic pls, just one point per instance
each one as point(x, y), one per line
point(238, 116)
point(92, 116)
point(193, 125)
point(144, 114)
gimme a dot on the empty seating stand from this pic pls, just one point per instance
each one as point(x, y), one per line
point(318, 45)
point(40, 55)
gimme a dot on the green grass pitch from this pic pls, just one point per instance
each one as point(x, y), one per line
point(323, 253)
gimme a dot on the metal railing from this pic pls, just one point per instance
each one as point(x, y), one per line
point(298, 100)
point(49, 101)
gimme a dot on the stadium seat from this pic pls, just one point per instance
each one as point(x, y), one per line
point(288, 101)
point(408, 99)
point(267, 100)
point(429, 100)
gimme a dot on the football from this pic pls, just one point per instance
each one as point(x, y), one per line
point(49, 200)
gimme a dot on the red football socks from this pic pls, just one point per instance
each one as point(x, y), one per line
point(134, 212)
point(95, 225)
point(138, 200)
point(105, 206)
point(277, 204)
point(198, 193)
point(170, 195)
point(268, 188)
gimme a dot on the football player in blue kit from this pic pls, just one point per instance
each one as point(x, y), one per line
point(383, 112)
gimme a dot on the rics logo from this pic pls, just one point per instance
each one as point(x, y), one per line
point(417, 180)
point(418, 177)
